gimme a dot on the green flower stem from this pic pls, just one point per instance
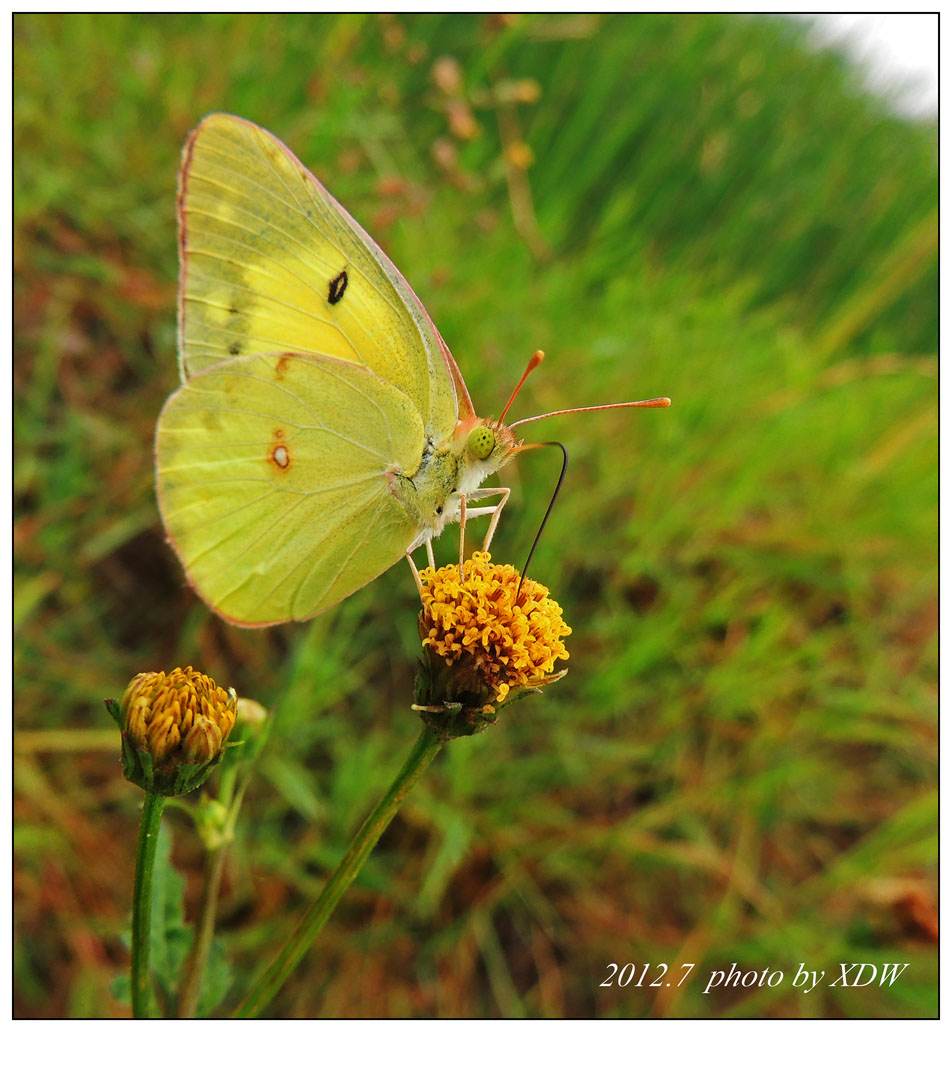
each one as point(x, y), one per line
point(269, 984)
point(204, 934)
point(152, 811)
point(190, 990)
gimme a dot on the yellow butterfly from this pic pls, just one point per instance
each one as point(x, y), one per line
point(322, 429)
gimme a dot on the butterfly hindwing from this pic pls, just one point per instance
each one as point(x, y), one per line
point(274, 482)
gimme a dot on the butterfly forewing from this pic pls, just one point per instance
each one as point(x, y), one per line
point(270, 263)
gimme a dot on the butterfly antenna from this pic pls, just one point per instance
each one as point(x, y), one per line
point(547, 513)
point(535, 360)
point(651, 403)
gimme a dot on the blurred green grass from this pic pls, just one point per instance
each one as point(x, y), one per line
point(741, 765)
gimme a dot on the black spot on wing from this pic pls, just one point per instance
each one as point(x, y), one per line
point(337, 287)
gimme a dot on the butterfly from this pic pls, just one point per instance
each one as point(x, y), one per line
point(322, 429)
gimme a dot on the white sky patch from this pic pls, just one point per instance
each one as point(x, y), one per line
point(897, 53)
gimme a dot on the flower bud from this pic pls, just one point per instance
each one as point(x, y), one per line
point(251, 732)
point(488, 638)
point(174, 728)
point(213, 822)
point(251, 713)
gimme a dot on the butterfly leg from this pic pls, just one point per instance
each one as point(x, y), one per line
point(463, 514)
point(430, 553)
point(495, 511)
point(415, 574)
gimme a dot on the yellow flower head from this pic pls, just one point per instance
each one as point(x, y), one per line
point(174, 727)
point(487, 640)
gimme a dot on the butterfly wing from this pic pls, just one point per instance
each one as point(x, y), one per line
point(274, 482)
point(270, 263)
point(312, 375)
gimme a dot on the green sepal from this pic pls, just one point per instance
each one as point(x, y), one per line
point(168, 780)
point(452, 701)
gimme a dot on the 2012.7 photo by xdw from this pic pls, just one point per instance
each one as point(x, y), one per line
point(544, 628)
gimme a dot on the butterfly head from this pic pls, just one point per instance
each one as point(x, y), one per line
point(488, 445)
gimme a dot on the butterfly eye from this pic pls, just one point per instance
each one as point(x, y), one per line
point(481, 442)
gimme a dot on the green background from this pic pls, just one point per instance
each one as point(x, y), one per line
point(740, 766)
